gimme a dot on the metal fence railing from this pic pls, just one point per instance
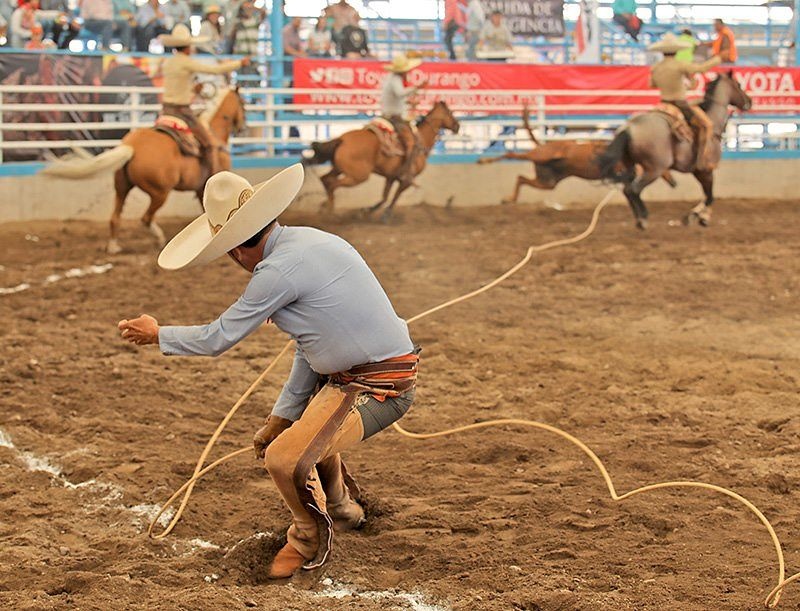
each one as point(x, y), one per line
point(278, 126)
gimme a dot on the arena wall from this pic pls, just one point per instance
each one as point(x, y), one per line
point(36, 197)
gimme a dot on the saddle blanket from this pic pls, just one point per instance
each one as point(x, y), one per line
point(180, 132)
point(387, 136)
point(681, 130)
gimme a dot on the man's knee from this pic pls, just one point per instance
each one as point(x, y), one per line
point(281, 461)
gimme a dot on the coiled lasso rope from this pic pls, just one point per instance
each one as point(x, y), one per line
point(187, 488)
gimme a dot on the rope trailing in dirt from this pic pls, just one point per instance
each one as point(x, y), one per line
point(187, 488)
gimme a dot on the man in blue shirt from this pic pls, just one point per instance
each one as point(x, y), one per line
point(354, 370)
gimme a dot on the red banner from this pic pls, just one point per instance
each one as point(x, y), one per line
point(497, 87)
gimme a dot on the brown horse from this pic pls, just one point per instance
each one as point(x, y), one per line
point(152, 161)
point(358, 153)
point(556, 160)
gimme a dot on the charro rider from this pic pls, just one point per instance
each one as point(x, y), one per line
point(353, 350)
point(670, 76)
point(394, 107)
point(179, 85)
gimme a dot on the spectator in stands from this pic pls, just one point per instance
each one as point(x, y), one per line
point(353, 43)
point(292, 45)
point(625, 15)
point(451, 28)
point(211, 29)
point(495, 36)
point(61, 24)
point(149, 24)
point(341, 15)
point(686, 54)
point(724, 45)
point(22, 21)
point(476, 19)
point(320, 40)
point(98, 18)
point(124, 22)
point(175, 12)
point(37, 38)
point(245, 34)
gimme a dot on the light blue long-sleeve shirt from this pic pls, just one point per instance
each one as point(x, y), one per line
point(318, 289)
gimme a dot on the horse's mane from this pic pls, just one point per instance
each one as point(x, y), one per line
point(213, 105)
point(711, 88)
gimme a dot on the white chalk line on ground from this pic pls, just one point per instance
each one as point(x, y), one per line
point(75, 272)
point(111, 493)
point(412, 601)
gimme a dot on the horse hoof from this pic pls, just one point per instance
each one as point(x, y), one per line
point(641, 224)
point(507, 200)
point(113, 247)
point(704, 222)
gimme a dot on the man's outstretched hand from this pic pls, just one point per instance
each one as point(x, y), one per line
point(264, 436)
point(139, 331)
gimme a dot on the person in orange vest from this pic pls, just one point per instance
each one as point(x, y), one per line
point(724, 45)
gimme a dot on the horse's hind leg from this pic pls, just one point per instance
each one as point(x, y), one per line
point(702, 211)
point(157, 199)
point(633, 191)
point(122, 186)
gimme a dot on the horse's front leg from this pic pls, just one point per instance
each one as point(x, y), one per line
point(386, 189)
point(702, 211)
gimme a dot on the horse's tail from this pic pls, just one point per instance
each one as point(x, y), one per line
point(613, 155)
point(321, 152)
point(526, 113)
point(89, 166)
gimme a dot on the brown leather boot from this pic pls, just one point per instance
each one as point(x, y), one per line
point(286, 563)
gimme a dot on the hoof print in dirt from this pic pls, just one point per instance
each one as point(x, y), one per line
point(247, 561)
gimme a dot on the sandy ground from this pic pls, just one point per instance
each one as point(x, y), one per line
point(673, 353)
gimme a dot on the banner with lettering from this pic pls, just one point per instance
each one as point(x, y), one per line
point(523, 17)
point(504, 87)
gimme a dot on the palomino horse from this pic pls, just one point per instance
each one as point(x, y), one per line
point(647, 140)
point(358, 153)
point(152, 161)
point(556, 160)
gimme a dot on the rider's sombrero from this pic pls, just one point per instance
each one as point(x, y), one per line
point(212, 8)
point(235, 211)
point(670, 43)
point(181, 36)
point(402, 63)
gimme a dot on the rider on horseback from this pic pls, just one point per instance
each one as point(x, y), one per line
point(394, 101)
point(670, 77)
point(179, 87)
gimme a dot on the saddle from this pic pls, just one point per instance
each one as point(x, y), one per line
point(387, 136)
point(681, 130)
point(177, 129)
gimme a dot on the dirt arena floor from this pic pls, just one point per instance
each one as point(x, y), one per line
point(675, 354)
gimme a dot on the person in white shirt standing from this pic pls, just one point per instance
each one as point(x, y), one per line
point(476, 18)
point(394, 108)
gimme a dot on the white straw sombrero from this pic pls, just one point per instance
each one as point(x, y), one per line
point(402, 63)
point(235, 211)
point(670, 43)
point(181, 36)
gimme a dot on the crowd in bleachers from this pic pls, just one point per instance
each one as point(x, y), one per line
point(233, 26)
point(238, 27)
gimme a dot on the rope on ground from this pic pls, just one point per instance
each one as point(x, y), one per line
point(187, 488)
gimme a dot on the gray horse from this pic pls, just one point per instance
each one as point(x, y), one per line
point(647, 140)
